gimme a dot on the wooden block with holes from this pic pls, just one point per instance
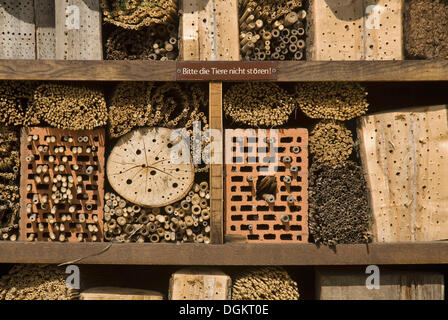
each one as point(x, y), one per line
point(393, 285)
point(200, 284)
point(355, 30)
point(209, 30)
point(47, 153)
point(78, 30)
point(404, 156)
point(17, 30)
point(113, 293)
point(253, 156)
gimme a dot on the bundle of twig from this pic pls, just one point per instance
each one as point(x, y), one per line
point(339, 209)
point(136, 14)
point(268, 283)
point(332, 100)
point(258, 104)
point(331, 142)
point(36, 282)
point(152, 43)
point(426, 29)
point(171, 105)
point(68, 106)
point(9, 184)
point(14, 98)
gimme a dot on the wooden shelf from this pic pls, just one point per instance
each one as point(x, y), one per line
point(224, 255)
point(407, 70)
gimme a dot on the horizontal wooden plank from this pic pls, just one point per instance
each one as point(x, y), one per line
point(421, 70)
point(223, 255)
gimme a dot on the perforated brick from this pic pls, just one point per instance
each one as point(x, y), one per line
point(92, 185)
point(255, 218)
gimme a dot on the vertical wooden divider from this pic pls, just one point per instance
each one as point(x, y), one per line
point(216, 170)
point(209, 31)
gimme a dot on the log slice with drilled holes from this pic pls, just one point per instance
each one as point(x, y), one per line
point(141, 169)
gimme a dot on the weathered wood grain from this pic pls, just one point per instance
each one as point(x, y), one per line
point(355, 30)
point(224, 255)
point(200, 284)
point(405, 156)
point(393, 285)
point(17, 30)
point(78, 30)
point(209, 30)
point(422, 70)
point(216, 169)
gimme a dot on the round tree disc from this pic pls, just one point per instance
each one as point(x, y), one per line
point(140, 169)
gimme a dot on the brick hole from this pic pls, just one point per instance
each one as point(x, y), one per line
point(83, 158)
point(246, 169)
point(296, 228)
point(286, 236)
point(269, 217)
point(269, 236)
point(262, 227)
point(246, 208)
point(236, 198)
point(253, 237)
point(236, 217)
point(252, 217)
point(286, 140)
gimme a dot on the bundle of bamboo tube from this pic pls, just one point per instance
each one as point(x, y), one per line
point(331, 142)
point(184, 221)
point(331, 100)
point(36, 282)
point(258, 104)
point(136, 14)
point(67, 106)
point(272, 29)
point(267, 283)
point(14, 98)
point(159, 42)
point(339, 209)
point(9, 184)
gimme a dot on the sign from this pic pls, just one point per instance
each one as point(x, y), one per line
point(226, 70)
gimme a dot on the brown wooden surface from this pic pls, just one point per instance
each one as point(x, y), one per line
point(200, 284)
point(114, 293)
point(421, 70)
point(82, 40)
point(393, 285)
point(352, 30)
point(223, 255)
point(404, 156)
point(216, 170)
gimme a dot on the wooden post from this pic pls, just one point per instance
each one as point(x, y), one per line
point(209, 30)
point(355, 30)
point(393, 285)
point(78, 30)
point(216, 170)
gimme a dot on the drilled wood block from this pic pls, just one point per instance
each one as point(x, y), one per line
point(45, 29)
point(200, 284)
point(78, 30)
point(17, 30)
point(404, 156)
point(393, 285)
point(209, 30)
point(89, 202)
point(355, 30)
point(248, 156)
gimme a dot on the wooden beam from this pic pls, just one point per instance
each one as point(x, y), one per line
point(216, 170)
point(224, 255)
point(289, 71)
